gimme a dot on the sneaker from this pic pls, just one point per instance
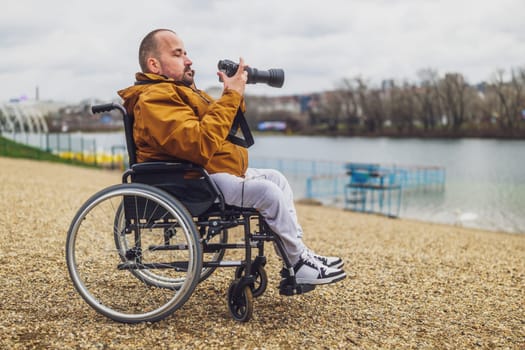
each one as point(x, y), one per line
point(309, 270)
point(330, 261)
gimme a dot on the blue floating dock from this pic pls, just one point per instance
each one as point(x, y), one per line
point(375, 188)
point(372, 189)
point(365, 187)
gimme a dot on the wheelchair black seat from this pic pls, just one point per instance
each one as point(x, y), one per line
point(184, 180)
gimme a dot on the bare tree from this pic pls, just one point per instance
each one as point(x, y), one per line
point(452, 91)
point(510, 97)
point(372, 106)
point(350, 106)
point(377, 111)
point(331, 108)
point(404, 107)
point(483, 102)
point(428, 96)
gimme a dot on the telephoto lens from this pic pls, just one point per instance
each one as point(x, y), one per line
point(273, 77)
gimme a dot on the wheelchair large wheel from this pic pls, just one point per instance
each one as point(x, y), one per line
point(149, 274)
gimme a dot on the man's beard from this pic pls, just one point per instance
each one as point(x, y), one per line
point(187, 76)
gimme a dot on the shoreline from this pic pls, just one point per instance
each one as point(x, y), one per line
point(313, 202)
point(410, 284)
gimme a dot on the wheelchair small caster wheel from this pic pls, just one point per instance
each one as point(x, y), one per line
point(240, 301)
point(261, 279)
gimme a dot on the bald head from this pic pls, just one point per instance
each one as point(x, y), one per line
point(149, 47)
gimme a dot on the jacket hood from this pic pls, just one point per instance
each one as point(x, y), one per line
point(131, 94)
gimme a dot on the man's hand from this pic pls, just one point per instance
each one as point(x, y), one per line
point(236, 82)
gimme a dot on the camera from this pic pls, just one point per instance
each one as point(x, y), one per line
point(273, 77)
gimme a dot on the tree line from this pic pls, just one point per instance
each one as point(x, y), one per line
point(440, 106)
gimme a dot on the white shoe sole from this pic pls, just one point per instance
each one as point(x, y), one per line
point(317, 281)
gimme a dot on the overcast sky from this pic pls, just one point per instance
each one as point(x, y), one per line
point(74, 50)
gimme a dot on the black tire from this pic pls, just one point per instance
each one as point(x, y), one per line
point(240, 304)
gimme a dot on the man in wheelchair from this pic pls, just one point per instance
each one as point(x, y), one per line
point(174, 120)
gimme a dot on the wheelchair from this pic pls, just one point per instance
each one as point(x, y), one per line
point(136, 251)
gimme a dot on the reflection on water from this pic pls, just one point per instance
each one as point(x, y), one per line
point(485, 186)
point(468, 205)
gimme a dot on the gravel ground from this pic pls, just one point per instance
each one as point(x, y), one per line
point(410, 284)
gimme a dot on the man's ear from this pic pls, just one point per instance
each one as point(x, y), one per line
point(153, 65)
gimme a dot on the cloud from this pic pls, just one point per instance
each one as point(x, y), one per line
point(75, 50)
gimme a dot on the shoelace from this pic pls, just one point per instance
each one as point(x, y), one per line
point(309, 257)
point(318, 257)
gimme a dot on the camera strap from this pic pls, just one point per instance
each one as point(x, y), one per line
point(240, 133)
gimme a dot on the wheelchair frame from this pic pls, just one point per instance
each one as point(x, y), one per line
point(136, 251)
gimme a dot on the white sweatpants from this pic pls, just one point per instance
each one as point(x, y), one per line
point(268, 191)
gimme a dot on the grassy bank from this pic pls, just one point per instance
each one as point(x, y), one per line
point(13, 149)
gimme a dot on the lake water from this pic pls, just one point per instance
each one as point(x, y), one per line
point(485, 179)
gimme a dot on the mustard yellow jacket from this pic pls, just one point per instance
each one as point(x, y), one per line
point(173, 120)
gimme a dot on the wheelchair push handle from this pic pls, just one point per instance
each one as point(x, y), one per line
point(107, 107)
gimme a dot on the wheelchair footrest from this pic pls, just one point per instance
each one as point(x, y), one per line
point(288, 288)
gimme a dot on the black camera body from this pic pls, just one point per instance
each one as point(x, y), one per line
point(273, 77)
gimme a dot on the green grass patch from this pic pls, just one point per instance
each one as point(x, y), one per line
point(11, 149)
